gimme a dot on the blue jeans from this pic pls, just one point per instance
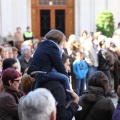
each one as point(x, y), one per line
point(80, 85)
point(91, 70)
point(54, 76)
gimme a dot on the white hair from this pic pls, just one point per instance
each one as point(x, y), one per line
point(37, 105)
point(72, 38)
point(25, 49)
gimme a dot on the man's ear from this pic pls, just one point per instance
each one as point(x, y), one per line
point(53, 115)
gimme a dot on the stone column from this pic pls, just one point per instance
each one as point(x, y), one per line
point(20, 14)
point(92, 16)
point(13, 14)
point(29, 13)
point(85, 15)
point(77, 18)
point(6, 17)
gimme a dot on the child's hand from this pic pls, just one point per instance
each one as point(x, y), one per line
point(74, 95)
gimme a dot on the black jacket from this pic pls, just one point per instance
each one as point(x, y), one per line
point(46, 57)
point(59, 94)
point(105, 59)
point(95, 106)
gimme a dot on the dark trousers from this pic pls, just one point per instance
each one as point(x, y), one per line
point(116, 79)
point(107, 73)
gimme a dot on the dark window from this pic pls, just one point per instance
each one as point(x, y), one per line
point(44, 22)
point(60, 20)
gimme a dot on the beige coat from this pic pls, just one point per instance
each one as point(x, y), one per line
point(90, 54)
point(18, 36)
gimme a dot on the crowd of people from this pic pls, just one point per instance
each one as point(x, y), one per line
point(36, 76)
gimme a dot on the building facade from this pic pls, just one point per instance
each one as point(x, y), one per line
point(70, 16)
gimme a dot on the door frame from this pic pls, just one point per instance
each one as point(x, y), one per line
point(69, 17)
point(52, 17)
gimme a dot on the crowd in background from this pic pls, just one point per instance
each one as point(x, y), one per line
point(81, 57)
point(100, 53)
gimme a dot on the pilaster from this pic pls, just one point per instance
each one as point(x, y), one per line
point(77, 18)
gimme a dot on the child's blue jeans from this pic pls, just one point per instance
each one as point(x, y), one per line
point(53, 76)
point(80, 84)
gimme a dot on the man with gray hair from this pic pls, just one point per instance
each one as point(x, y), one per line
point(38, 105)
point(25, 59)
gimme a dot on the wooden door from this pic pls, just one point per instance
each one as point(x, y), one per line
point(53, 16)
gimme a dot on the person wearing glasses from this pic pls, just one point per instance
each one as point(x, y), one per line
point(10, 94)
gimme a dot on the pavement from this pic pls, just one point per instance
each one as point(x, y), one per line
point(115, 100)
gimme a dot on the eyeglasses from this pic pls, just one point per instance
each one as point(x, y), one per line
point(18, 81)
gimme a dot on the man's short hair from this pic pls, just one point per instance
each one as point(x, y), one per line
point(37, 105)
point(8, 63)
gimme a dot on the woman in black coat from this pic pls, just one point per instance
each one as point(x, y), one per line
point(95, 105)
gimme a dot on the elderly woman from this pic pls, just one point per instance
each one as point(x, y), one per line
point(25, 59)
point(94, 102)
point(10, 95)
point(37, 105)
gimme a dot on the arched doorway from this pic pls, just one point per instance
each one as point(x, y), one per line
point(52, 14)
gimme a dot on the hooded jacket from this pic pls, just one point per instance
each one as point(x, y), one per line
point(95, 105)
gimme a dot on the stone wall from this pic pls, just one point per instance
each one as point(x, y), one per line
point(86, 11)
point(14, 13)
